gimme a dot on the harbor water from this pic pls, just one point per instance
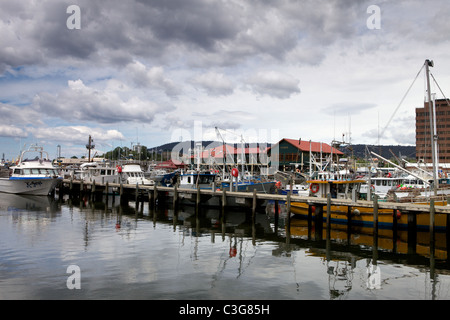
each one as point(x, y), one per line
point(52, 248)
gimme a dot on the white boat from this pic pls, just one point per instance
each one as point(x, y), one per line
point(132, 173)
point(381, 186)
point(35, 176)
point(100, 173)
point(193, 179)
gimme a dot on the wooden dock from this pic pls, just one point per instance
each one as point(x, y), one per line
point(253, 200)
point(152, 192)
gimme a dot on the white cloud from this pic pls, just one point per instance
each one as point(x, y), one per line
point(153, 77)
point(77, 134)
point(82, 103)
point(274, 84)
point(215, 84)
point(12, 131)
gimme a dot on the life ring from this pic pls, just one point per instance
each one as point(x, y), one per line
point(314, 187)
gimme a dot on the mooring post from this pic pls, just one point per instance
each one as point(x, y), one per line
point(224, 198)
point(310, 209)
point(318, 221)
point(328, 215)
point(276, 215)
point(136, 196)
point(375, 214)
point(375, 229)
point(394, 229)
point(254, 203)
point(328, 235)
point(106, 193)
point(175, 197)
point(349, 223)
point(412, 232)
point(150, 201)
point(288, 215)
point(155, 195)
point(432, 211)
point(198, 197)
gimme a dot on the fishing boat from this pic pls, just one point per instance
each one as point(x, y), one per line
point(100, 173)
point(196, 179)
point(339, 187)
point(35, 176)
point(381, 186)
point(132, 173)
point(292, 182)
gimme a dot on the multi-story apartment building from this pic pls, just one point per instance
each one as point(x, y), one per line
point(424, 136)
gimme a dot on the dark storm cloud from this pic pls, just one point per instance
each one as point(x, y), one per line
point(203, 32)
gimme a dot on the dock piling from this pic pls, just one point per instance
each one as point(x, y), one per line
point(328, 215)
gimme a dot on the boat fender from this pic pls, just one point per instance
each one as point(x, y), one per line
point(356, 212)
point(278, 184)
point(119, 169)
point(398, 214)
point(314, 187)
point(235, 172)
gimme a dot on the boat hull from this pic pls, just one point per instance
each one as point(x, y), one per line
point(361, 216)
point(31, 186)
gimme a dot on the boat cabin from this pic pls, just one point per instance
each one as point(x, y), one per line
point(339, 189)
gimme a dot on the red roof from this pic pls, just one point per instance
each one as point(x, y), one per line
point(315, 146)
point(217, 152)
point(170, 164)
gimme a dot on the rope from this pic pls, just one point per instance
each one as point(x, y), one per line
point(396, 109)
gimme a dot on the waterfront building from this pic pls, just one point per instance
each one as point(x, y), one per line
point(423, 132)
point(295, 153)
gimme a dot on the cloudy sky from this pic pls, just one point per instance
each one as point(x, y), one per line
point(158, 71)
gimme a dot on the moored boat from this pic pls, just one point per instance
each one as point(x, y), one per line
point(35, 176)
point(132, 173)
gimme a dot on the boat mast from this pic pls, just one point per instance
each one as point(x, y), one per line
point(90, 146)
point(429, 63)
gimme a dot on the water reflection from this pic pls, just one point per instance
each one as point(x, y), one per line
point(340, 250)
point(136, 251)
